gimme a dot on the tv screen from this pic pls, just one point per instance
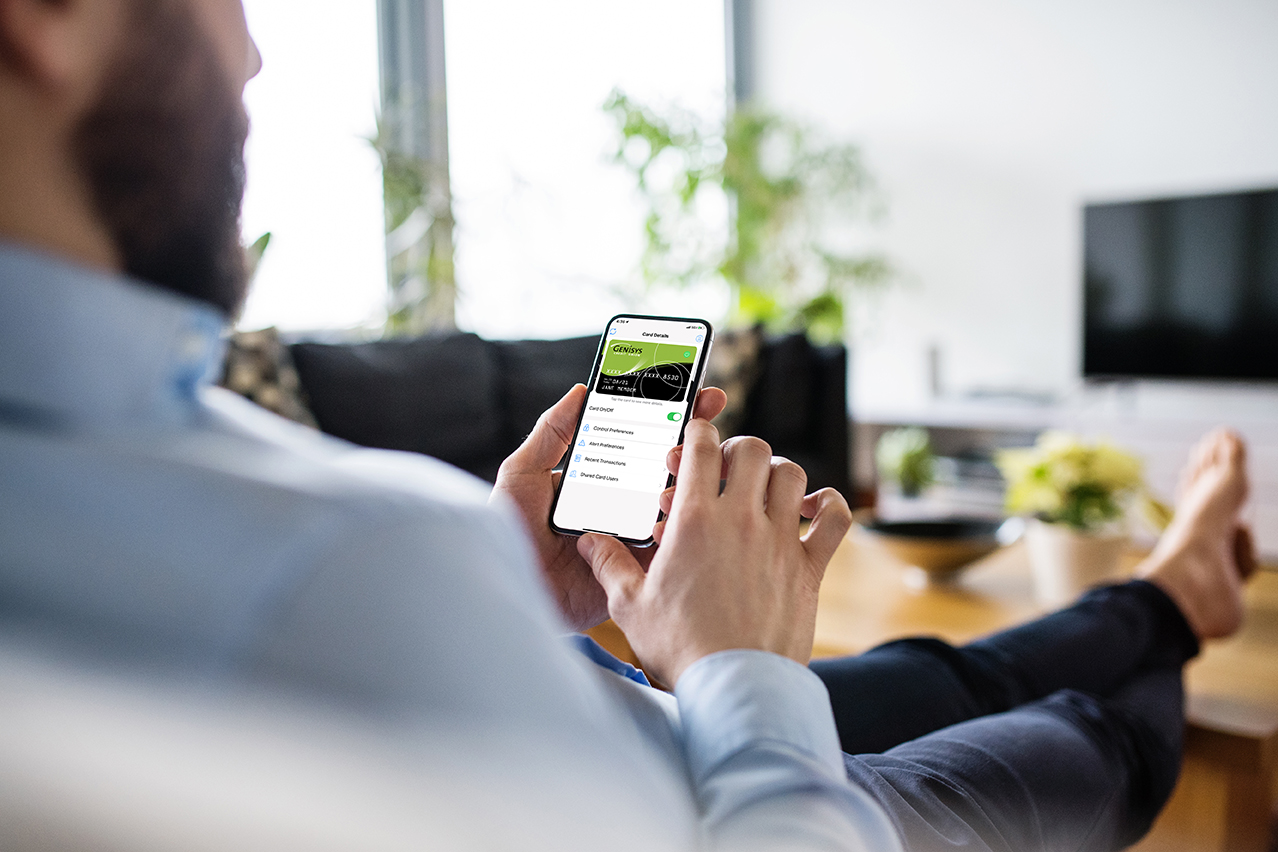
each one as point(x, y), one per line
point(1182, 287)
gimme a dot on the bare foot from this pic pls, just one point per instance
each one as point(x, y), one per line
point(1204, 555)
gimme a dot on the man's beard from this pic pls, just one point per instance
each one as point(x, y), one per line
point(162, 151)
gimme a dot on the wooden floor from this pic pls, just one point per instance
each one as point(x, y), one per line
point(1226, 794)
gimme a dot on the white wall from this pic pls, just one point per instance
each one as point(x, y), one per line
point(988, 124)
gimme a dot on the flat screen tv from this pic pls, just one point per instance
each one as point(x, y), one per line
point(1182, 287)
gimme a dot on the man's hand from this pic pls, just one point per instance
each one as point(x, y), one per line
point(732, 570)
point(528, 479)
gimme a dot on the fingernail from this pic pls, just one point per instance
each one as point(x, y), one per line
point(586, 546)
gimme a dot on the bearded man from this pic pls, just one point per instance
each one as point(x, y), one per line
point(156, 523)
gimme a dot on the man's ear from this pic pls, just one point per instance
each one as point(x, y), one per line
point(52, 42)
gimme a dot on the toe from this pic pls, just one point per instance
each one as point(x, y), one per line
point(1219, 447)
point(1235, 450)
point(1202, 456)
point(1205, 454)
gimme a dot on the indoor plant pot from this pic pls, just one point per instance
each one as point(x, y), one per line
point(1065, 562)
point(1078, 496)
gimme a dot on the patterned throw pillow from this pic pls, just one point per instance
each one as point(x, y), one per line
point(259, 367)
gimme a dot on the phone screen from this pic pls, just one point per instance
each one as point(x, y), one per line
point(642, 391)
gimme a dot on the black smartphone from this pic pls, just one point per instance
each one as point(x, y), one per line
point(642, 390)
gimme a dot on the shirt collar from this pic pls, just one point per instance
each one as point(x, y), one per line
point(92, 346)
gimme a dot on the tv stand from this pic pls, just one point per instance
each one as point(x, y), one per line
point(1159, 420)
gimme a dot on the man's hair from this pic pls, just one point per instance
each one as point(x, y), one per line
point(162, 150)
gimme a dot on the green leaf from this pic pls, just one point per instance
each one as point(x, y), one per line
point(253, 254)
point(785, 189)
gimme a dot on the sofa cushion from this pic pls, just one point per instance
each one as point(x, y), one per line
point(536, 373)
point(780, 406)
point(439, 395)
point(799, 406)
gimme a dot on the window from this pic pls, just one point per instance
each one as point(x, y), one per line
point(314, 181)
point(547, 229)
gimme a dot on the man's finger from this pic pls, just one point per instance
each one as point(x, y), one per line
point(747, 465)
point(700, 463)
point(785, 490)
point(614, 567)
point(710, 403)
point(551, 437)
point(666, 499)
point(831, 520)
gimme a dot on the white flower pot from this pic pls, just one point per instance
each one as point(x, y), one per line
point(1067, 563)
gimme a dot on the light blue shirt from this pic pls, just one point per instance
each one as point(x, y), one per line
point(149, 518)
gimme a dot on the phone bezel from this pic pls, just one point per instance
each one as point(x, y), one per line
point(694, 388)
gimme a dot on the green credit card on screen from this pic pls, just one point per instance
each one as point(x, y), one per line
point(646, 370)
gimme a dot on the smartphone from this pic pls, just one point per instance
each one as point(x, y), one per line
point(642, 390)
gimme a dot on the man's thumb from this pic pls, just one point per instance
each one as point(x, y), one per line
point(614, 566)
point(549, 439)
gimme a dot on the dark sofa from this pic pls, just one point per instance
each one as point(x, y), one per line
point(471, 401)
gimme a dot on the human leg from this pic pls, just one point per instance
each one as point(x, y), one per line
point(1072, 771)
point(1193, 589)
point(905, 689)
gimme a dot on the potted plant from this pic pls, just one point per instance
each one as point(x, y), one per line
point(419, 230)
point(905, 460)
point(786, 255)
point(1079, 497)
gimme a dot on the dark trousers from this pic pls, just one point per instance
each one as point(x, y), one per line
point(1064, 733)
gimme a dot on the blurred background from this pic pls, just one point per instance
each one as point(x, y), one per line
point(547, 228)
point(425, 166)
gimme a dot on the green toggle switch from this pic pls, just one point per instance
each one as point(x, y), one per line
point(675, 416)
